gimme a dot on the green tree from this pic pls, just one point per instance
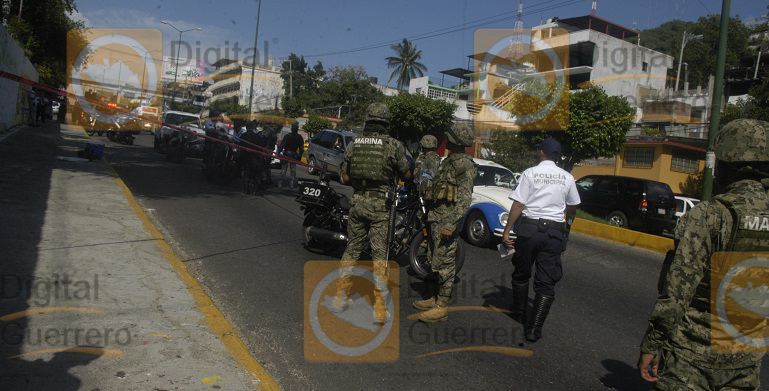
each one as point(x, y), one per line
point(415, 115)
point(512, 150)
point(302, 84)
point(349, 86)
point(42, 31)
point(315, 124)
point(597, 126)
point(406, 63)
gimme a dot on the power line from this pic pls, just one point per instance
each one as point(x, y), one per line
point(452, 29)
point(706, 7)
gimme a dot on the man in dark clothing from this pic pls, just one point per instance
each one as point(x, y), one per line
point(291, 147)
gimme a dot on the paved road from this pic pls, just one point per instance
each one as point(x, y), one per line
point(247, 253)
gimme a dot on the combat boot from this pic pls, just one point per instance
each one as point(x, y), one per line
point(426, 304)
point(341, 301)
point(520, 300)
point(381, 314)
point(439, 313)
point(542, 305)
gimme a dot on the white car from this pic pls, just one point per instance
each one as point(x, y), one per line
point(487, 215)
point(683, 205)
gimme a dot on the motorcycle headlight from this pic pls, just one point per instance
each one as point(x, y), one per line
point(503, 218)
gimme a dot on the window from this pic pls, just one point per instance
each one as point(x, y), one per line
point(494, 176)
point(645, 67)
point(419, 90)
point(684, 162)
point(639, 157)
point(608, 186)
point(586, 183)
point(327, 139)
point(634, 187)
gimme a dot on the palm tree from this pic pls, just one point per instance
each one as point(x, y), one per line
point(406, 63)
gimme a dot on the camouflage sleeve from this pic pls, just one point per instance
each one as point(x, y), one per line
point(465, 194)
point(348, 153)
point(401, 164)
point(693, 243)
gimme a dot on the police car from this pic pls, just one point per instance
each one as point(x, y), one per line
point(487, 215)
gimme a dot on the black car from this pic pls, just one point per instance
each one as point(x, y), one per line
point(635, 203)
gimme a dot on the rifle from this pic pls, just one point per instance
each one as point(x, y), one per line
point(393, 196)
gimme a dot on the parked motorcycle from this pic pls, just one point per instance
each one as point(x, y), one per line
point(326, 215)
point(223, 166)
point(184, 144)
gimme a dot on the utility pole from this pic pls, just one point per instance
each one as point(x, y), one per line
point(290, 79)
point(686, 38)
point(253, 63)
point(715, 110)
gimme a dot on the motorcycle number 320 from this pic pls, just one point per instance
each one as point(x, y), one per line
point(312, 192)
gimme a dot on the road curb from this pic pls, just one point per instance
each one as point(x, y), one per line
point(623, 236)
point(216, 320)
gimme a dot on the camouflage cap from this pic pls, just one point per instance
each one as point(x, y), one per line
point(429, 142)
point(378, 112)
point(460, 134)
point(743, 140)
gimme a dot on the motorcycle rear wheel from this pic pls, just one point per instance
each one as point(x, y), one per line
point(421, 265)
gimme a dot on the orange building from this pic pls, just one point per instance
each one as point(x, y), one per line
point(665, 161)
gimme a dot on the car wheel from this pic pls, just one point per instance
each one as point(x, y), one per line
point(477, 229)
point(313, 164)
point(617, 219)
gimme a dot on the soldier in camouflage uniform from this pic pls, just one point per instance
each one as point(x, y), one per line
point(448, 199)
point(676, 352)
point(371, 164)
point(427, 163)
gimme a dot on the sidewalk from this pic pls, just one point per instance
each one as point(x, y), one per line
point(89, 292)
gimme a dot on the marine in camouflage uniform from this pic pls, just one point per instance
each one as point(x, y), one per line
point(448, 199)
point(371, 163)
point(676, 352)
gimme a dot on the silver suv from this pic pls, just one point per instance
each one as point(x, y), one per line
point(327, 149)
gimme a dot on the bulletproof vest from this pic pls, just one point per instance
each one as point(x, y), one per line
point(445, 184)
point(370, 160)
point(750, 231)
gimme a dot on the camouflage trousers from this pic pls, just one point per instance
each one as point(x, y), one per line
point(678, 373)
point(368, 221)
point(443, 258)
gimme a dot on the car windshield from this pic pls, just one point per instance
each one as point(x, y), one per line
point(181, 119)
point(495, 176)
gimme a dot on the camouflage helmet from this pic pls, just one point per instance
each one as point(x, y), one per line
point(460, 134)
point(429, 142)
point(378, 112)
point(743, 140)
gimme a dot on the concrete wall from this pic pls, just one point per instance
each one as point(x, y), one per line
point(419, 83)
point(618, 67)
point(13, 95)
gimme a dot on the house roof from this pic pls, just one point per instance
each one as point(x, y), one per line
point(589, 22)
point(670, 143)
point(460, 73)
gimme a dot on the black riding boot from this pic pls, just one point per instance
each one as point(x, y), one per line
point(542, 305)
point(520, 301)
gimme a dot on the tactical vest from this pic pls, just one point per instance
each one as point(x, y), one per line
point(445, 186)
point(370, 164)
point(750, 231)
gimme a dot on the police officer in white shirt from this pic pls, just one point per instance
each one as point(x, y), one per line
point(544, 195)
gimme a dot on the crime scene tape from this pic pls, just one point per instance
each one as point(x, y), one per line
point(257, 149)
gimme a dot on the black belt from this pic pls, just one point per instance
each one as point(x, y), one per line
point(547, 223)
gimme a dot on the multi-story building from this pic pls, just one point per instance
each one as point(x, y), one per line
point(232, 80)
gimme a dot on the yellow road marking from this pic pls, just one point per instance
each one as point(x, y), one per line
point(215, 318)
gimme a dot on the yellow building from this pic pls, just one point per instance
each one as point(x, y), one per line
point(664, 161)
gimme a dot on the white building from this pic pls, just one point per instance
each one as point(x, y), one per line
point(232, 80)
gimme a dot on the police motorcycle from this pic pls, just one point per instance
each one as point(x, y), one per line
point(327, 212)
point(183, 144)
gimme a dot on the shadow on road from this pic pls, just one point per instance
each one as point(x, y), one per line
point(622, 377)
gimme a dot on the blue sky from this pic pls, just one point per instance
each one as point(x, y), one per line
point(315, 28)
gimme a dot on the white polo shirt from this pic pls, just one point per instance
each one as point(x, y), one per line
point(545, 190)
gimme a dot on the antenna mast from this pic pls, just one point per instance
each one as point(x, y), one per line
point(516, 43)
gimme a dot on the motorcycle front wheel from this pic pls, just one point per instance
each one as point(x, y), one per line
point(421, 265)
